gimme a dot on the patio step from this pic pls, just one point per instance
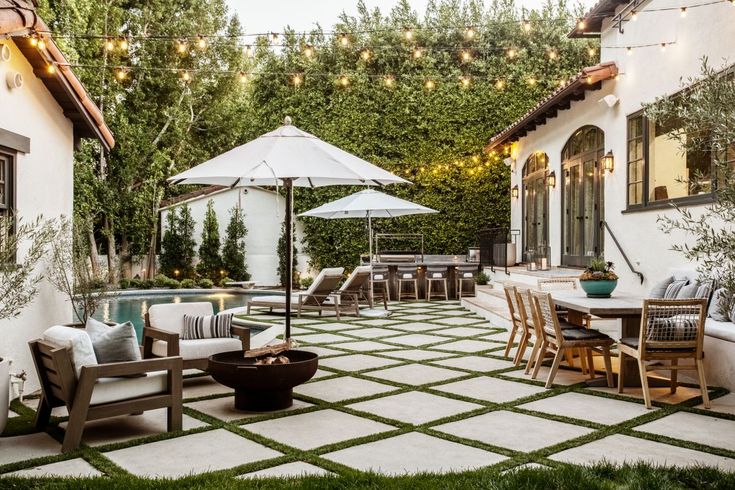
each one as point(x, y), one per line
point(520, 276)
point(493, 311)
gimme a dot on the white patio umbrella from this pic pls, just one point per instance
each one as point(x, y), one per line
point(368, 204)
point(286, 157)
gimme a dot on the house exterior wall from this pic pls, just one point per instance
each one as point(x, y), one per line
point(43, 186)
point(264, 212)
point(645, 75)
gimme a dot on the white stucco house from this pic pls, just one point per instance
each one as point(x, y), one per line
point(567, 205)
point(264, 212)
point(44, 111)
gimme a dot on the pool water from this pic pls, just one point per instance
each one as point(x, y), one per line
point(133, 308)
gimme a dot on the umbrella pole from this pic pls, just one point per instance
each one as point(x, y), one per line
point(288, 184)
point(370, 258)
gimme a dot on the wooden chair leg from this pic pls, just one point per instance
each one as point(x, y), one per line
point(521, 348)
point(555, 367)
point(428, 290)
point(446, 290)
point(583, 360)
point(532, 359)
point(674, 376)
point(621, 375)
point(174, 412)
point(703, 383)
point(608, 367)
point(43, 414)
point(511, 338)
point(75, 427)
point(400, 286)
point(539, 359)
point(569, 357)
point(644, 382)
point(416, 288)
point(590, 363)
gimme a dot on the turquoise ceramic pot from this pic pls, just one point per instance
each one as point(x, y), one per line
point(598, 289)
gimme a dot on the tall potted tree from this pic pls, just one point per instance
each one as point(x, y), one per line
point(22, 246)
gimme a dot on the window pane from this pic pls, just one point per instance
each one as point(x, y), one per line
point(673, 172)
point(635, 160)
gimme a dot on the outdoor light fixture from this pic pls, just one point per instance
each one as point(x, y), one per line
point(551, 180)
point(514, 192)
point(608, 161)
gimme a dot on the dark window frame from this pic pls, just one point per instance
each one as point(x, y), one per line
point(9, 160)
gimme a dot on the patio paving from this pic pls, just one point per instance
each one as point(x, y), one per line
point(413, 453)
point(494, 414)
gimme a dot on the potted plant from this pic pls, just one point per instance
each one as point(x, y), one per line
point(598, 280)
point(19, 280)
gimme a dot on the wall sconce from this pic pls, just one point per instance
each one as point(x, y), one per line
point(514, 192)
point(608, 161)
point(551, 180)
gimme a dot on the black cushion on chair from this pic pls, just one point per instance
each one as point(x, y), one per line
point(583, 334)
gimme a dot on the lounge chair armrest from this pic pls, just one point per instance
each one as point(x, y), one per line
point(158, 334)
point(151, 333)
point(243, 333)
point(127, 368)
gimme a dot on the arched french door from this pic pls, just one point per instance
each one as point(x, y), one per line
point(535, 205)
point(582, 199)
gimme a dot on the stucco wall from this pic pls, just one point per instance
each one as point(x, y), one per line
point(264, 213)
point(646, 74)
point(44, 185)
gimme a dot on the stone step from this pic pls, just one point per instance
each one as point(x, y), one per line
point(496, 314)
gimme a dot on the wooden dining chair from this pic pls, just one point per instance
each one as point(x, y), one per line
point(528, 333)
point(515, 318)
point(670, 330)
point(560, 338)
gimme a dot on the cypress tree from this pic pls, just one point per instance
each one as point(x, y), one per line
point(170, 245)
point(233, 250)
point(210, 260)
point(187, 244)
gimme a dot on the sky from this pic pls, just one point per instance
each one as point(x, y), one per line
point(260, 16)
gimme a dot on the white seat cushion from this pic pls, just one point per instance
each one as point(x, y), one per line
point(170, 316)
point(108, 390)
point(720, 330)
point(75, 339)
point(199, 348)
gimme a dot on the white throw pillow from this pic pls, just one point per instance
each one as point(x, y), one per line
point(82, 351)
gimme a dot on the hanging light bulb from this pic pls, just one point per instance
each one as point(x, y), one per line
point(365, 55)
point(465, 81)
point(470, 33)
point(553, 54)
point(34, 41)
point(511, 53)
point(526, 26)
point(201, 42)
point(683, 12)
point(343, 80)
point(248, 50)
point(124, 45)
point(308, 51)
point(41, 44)
point(466, 56)
point(344, 40)
point(532, 82)
point(591, 52)
point(408, 34)
point(185, 76)
point(121, 74)
point(417, 53)
point(389, 81)
point(430, 84)
point(663, 47)
point(633, 15)
point(109, 45)
point(297, 80)
point(243, 77)
point(499, 84)
point(274, 37)
point(590, 80)
point(181, 46)
point(581, 25)
point(629, 51)
point(50, 68)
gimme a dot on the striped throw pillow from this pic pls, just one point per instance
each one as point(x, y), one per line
point(207, 327)
point(672, 290)
point(704, 291)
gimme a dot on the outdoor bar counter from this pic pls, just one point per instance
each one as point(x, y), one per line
point(448, 261)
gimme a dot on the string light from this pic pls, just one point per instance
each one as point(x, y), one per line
point(590, 80)
point(50, 68)
point(499, 84)
point(466, 56)
point(121, 74)
point(470, 33)
point(297, 80)
point(581, 25)
point(274, 37)
point(109, 45)
point(389, 81)
point(248, 50)
point(591, 52)
point(185, 76)
point(344, 40)
point(532, 82)
point(124, 44)
point(181, 46)
point(41, 44)
point(408, 34)
point(511, 53)
point(465, 81)
point(663, 47)
point(365, 55)
point(308, 51)
point(417, 53)
point(633, 15)
point(683, 13)
point(552, 54)
point(430, 84)
point(629, 50)
point(243, 77)
point(201, 42)
point(34, 41)
point(527, 26)
point(343, 80)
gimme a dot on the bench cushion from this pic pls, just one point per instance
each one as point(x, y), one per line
point(199, 348)
point(108, 390)
point(720, 330)
point(170, 316)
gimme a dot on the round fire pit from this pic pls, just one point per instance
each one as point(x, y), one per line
point(262, 387)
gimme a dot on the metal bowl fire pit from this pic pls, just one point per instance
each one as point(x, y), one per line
point(263, 387)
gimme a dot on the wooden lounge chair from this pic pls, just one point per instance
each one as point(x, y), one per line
point(560, 338)
point(315, 298)
point(356, 288)
point(164, 325)
point(670, 330)
point(103, 390)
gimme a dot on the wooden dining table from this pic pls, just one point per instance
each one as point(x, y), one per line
point(625, 307)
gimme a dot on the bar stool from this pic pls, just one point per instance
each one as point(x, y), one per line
point(437, 274)
point(408, 274)
point(463, 274)
point(381, 277)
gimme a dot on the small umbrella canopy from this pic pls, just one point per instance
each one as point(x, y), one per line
point(368, 204)
point(286, 153)
point(290, 157)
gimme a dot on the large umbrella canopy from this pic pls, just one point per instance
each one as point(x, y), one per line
point(290, 157)
point(286, 153)
point(368, 204)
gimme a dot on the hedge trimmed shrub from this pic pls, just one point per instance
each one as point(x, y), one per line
point(188, 284)
point(206, 283)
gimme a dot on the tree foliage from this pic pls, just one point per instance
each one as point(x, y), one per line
point(704, 112)
point(178, 244)
point(233, 250)
point(210, 260)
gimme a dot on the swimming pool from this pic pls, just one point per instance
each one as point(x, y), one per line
point(133, 307)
